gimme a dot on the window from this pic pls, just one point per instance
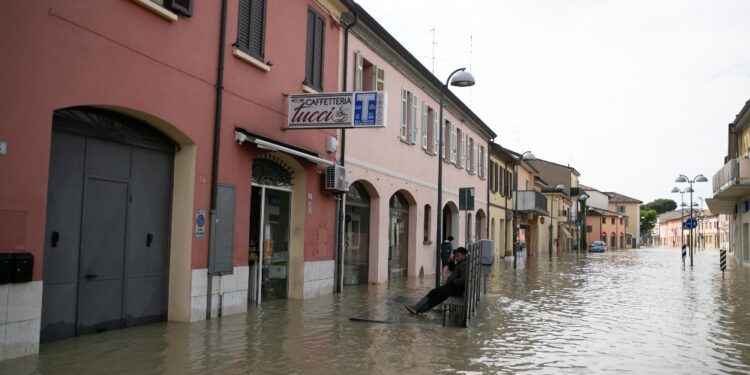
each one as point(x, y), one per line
point(251, 27)
point(588, 229)
point(367, 76)
point(408, 117)
point(314, 51)
point(492, 177)
point(620, 221)
point(621, 209)
point(613, 221)
point(427, 215)
point(604, 220)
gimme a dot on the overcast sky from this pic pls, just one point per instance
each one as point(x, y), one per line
point(631, 93)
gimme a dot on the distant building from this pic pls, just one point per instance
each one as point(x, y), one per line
point(731, 186)
point(625, 209)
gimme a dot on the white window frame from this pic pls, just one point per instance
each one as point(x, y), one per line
point(358, 71)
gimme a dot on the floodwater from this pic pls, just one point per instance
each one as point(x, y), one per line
point(634, 311)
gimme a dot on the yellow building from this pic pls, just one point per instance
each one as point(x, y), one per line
point(501, 167)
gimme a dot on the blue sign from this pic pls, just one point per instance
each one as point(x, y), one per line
point(691, 223)
point(578, 222)
point(369, 109)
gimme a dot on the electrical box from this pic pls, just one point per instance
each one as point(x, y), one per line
point(487, 252)
point(23, 267)
point(6, 267)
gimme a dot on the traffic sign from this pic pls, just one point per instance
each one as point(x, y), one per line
point(691, 223)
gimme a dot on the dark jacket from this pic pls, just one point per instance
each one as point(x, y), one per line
point(457, 278)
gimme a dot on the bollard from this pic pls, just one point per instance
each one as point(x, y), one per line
point(684, 253)
point(722, 261)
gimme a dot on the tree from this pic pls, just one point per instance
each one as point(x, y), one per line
point(660, 206)
point(648, 221)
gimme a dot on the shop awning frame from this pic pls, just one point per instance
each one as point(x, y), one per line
point(241, 136)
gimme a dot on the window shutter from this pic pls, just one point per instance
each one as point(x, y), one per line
point(453, 129)
point(257, 27)
point(404, 112)
point(413, 120)
point(243, 26)
point(435, 134)
point(184, 7)
point(463, 150)
point(314, 52)
point(358, 71)
point(442, 145)
point(424, 126)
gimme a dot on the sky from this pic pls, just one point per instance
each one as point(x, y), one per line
point(631, 93)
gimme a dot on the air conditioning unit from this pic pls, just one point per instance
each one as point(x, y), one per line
point(335, 179)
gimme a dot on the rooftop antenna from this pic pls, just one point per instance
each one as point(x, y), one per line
point(433, 50)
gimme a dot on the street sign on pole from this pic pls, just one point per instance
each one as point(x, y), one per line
point(690, 223)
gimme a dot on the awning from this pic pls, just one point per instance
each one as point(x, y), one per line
point(567, 233)
point(241, 136)
point(719, 206)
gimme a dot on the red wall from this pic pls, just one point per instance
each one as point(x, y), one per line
point(63, 53)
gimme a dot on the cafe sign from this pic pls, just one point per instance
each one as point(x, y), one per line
point(362, 109)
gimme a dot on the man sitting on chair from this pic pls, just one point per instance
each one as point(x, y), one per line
point(454, 286)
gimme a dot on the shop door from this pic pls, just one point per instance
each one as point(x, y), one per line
point(270, 218)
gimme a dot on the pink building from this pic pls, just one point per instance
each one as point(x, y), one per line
point(607, 226)
point(110, 110)
point(391, 213)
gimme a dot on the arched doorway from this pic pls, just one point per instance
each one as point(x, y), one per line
point(357, 240)
point(450, 222)
point(480, 225)
point(106, 257)
point(398, 237)
point(270, 222)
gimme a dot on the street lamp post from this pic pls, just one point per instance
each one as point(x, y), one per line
point(558, 188)
point(682, 207)
point(525, 156)
point(459, 78)
point(699, 178)
point(582, 198)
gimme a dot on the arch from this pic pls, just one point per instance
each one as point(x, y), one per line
point(450, 222)
point(298, 208)
point(480, 226)
point(123, 158)
point(399, 234)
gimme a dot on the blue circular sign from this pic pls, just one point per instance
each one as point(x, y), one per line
point(200, 220)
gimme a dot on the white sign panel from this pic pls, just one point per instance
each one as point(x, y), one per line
point(366, 109)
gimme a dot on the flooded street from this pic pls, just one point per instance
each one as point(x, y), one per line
point(635, 311)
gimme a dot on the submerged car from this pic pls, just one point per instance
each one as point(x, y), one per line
point(598, 247)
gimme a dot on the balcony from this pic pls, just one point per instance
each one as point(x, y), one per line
point(533, 202)
point(732, 180)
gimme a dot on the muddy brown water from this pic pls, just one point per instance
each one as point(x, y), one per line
point(636, 311)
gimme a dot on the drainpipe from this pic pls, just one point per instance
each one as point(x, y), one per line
point(341, 204)
point(215, 159)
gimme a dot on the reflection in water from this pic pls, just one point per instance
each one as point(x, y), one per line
point(639, 311)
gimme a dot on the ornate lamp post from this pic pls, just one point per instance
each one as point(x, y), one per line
point(525, 156)
point(682, 179)
point(459, 78)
